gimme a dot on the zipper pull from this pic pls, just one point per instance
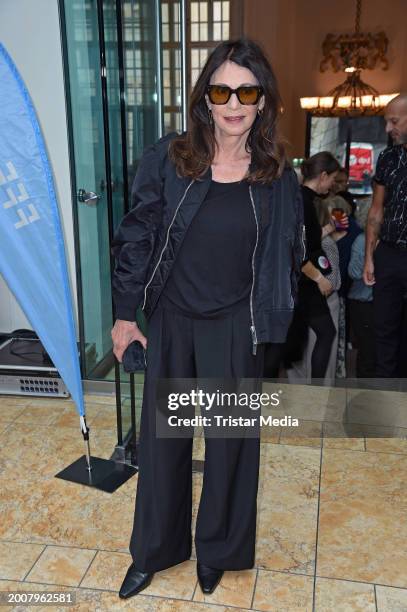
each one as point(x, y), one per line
point(254, 339)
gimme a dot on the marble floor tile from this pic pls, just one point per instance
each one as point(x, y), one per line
point(197, 479)
point(9, 413)
point(377, 408)
point(70, 417)
point(106, 418)
point(308, 433)
point(198, 450)
point(92, 518)
point(7, 417)
point(16, 559)
point(107, 571)
point(333, 595)
point(41, 413)
point(86, 600)
point(94, 398)
point(309, 402)
point(55, 511)
point(235, 589)
point(362, 529)
point(270, 435)
point(29, 453)
point(50, 400)
point(287, 512)
point(343, 435)
point(387, 445)
point(390, 599)
point(58, 565)
point(13, 400)
point(3, 428)
point(146, 603)
point(177, 582)
point(277, 591)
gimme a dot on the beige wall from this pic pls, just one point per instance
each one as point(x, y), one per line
point(292, 31)
point(30, 32)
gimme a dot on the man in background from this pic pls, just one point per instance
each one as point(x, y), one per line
point(386, 261)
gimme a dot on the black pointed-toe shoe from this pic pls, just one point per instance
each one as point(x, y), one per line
point(208, 577)
point(134, 582)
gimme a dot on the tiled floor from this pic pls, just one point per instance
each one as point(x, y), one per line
point(331, 532)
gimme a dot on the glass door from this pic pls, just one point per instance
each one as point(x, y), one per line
point(90, 181)
point(113, 65)
point(113, 79)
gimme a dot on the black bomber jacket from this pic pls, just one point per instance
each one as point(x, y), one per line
point(147, 241)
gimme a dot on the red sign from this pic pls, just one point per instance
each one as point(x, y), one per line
point(360, 162)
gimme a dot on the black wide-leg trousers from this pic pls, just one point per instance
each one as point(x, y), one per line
point(184, 347)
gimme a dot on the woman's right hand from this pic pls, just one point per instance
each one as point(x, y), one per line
point(325, 286)
point(123, 333)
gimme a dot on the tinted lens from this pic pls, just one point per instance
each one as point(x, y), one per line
point(248, 95)
point(218, 94)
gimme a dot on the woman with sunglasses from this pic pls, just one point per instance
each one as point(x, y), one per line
point(211, 251)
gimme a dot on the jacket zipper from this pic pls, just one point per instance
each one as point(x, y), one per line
point(253, 328)
point(166, 243)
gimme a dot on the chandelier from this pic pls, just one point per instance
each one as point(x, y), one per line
point(351, 53)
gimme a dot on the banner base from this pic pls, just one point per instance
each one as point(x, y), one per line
point(105, 475)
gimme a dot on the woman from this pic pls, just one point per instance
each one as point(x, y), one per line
point(312, 311)
point(329, 246)
point(216, 214)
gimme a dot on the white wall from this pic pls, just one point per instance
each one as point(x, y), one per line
point(30, 31)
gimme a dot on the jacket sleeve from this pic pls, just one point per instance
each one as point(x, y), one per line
point(299, 246)
point(312, 230)
point(357, 258)
point(134, 240)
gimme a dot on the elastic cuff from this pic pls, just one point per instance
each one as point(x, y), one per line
point(125, 313)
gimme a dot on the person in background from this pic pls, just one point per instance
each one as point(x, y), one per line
point(312, 311)
point(385, 266)
point(344, 249)
point(360, 304)
point(329, 246)
point(340, 187)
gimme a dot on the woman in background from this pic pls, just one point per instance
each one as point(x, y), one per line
point(312, 311)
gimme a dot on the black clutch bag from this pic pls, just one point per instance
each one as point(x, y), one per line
point(134, 357)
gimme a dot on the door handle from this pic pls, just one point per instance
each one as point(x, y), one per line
point(90, 198)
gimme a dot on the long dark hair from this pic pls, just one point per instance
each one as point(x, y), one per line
point(323, 161)
point(193, 152)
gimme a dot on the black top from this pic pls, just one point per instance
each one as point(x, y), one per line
point(313, 230)
point(391, 171)
point(212, 275)
point(309, 296)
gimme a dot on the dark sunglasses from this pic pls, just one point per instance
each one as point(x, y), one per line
point(220, 94)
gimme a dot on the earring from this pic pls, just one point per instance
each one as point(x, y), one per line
point(210, 116)
point(259, 112)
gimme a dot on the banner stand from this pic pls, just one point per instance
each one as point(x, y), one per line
point(33, 261)
point(102, 474)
